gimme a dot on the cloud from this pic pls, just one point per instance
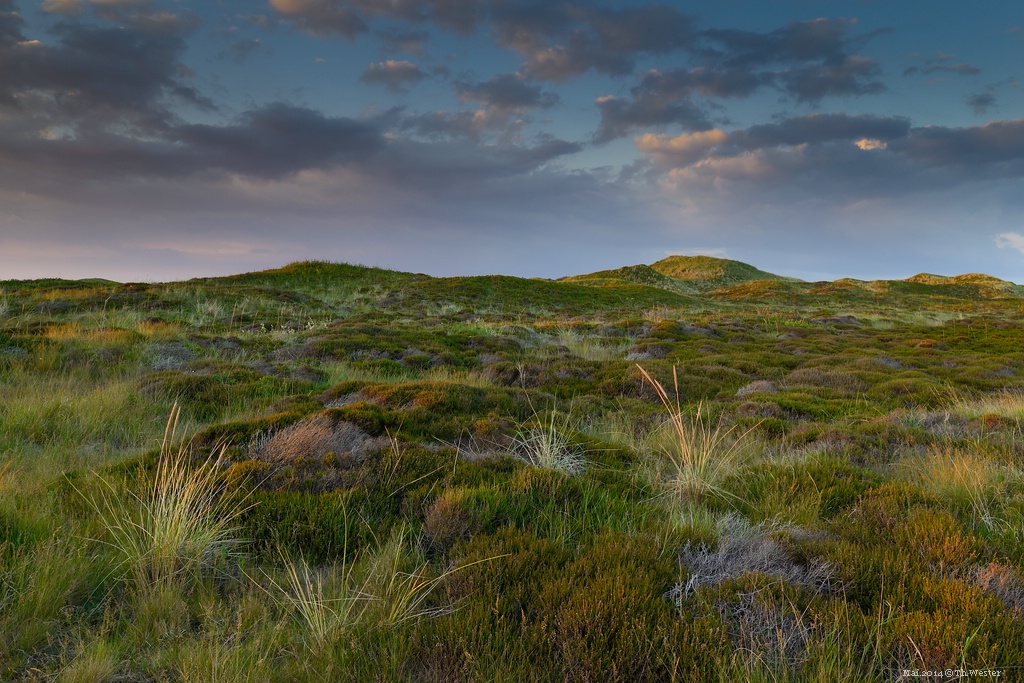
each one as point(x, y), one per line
point(665, 97)
point(942, 65)
point(135, 13)
point(815, 56)
point(1010, 240)
point(68, 8)
point(558, 39)
point(620, 116)
point(562, 40)
point(864, 131)
point(800, 41)
point(396, 76)
point(981, 102)
point(437, 125)
point(351, 19)
point(995, 148)
point(682, 150)
point(96, 74)
point(834, 159)
point(820, 128)
point(10, 24)
point(852, 76)
point(322, 17)
point(280, 139)
point(808, 60)
point(506, 93)
point(271, 142)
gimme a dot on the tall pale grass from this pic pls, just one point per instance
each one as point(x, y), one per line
point(545, 442)
point(971, 483)
point(36, 583)
point(383, 590)
point(445, 374)
point(72, 409)
point(1004, 404)
point(697, 455)
point(178, 526)
point(324, 606)
point(589, 348)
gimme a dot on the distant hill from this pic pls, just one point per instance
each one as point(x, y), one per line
point(682, 274)
point(725, 279)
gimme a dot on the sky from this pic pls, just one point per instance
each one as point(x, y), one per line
point(146, 140)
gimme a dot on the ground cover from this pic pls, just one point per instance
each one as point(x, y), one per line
point(692, 470)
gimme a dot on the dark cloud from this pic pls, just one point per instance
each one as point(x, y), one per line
point(548, 148)
point(394, 75)
point(800, 41)
point(808, 60)
point(280, 139)
point(819, 128)
point(962, 69)
point(664, 97)
point(270, 142)
point(10, 24)
point(502, 98)
point(458, 166)
point(943, 65)
point(562, 40)
point(322, 17)
point(982, 102)
point(68, 8)
point(461, 16)
point(997, 146)
point(854, 75)
point(506, 93)
point(816, 57)
point(350, 19)
point(134, 13)
point(101, 74)
point(559, 39)
point(438, 125)
point(620, 116)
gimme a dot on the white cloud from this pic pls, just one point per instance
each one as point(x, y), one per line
point(682, 150)
point(1010, 240)
point(868, 144)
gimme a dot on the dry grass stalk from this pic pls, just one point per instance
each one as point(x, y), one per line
point(180, 526)
point(699, 455)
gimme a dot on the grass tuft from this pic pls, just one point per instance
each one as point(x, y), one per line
point(180, 527)
point(545, 443)
point(698, 456)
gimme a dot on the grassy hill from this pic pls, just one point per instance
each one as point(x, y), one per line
point(689, 470)
point(684, 274)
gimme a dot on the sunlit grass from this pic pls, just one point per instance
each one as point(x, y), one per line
point(1006, 404)
point(696, 453)
point(971, 482)
point(590, 348)
point(348, 372)
point(546, 442)
point(177, 529)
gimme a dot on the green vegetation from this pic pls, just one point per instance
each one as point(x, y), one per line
point(693, 470)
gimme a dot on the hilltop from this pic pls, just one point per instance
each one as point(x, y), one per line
point(684, 274)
